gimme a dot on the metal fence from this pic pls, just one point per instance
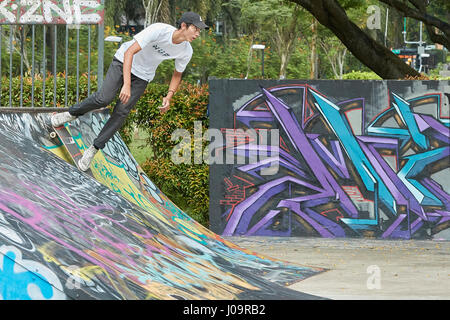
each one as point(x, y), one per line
point(51, 47)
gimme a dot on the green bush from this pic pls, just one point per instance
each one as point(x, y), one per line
point(27, 84)
point(186, 184)
point(438, 77)
point(361, 75)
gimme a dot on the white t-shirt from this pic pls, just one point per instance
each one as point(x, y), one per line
point(157, 46)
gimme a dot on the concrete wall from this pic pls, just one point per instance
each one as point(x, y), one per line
point(348, 158)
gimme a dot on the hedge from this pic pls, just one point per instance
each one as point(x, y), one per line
point(186, 184)
point(27, 84)
point(360, 75)
point(363, 75)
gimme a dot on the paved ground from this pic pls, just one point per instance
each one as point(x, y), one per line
point(364, 269)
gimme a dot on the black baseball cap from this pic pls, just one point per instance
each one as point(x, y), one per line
point(193, 18)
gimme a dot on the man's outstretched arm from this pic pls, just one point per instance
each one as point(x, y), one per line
point(174, 83)
point(125, 93)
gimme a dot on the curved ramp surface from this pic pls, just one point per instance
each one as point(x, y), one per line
point(65, 235)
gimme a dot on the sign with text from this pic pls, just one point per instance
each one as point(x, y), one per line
point(51, 12)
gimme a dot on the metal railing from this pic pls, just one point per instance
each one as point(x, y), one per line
point(34, 51)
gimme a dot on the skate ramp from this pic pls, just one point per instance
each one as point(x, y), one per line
point(65, 235)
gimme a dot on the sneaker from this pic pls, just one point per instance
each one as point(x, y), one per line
point(85, 162)
point(58, 119)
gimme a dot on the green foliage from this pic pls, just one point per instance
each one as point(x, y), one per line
point(276, 23)
point(361, 75)
point(351, 4)
point(279, 12)
point(299, 65)
point(24, 35)
point(214, 58)
point(186, 184)
point(75, 55)
point(39, 93)
point(233, 60)
point(438, 77)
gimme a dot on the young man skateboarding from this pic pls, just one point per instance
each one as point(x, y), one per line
point(133, 67)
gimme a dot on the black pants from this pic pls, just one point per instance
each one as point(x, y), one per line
point(112, 83)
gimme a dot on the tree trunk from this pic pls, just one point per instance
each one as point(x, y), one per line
point(233, 27)
point(341, 62)
point(314, 73)
point(249, 57)
point(396, 22)
point(283, 66)
point(374, 55)
point(284, 39)
point(152, 10)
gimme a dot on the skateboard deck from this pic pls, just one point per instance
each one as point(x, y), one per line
point(70, 144)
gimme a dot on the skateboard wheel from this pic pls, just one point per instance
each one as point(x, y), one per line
point(53, 135)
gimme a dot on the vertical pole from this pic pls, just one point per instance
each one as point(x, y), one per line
point(1, 40)
point(33, 30)
point(421, 30)
point(386, 28)
point(89, 60)
point(420, 46)
point(21, 64)
point(10, 63)
point(55, 35)
point(67, 66)
point(262, 62)
point(78, 64)
point(44, 66)
point(101, 36)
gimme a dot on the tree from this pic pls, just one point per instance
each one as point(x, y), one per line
point(230, 14)
point(156, 11)
point(17, 35)
point(285, 38)
point(276, 21)
point(314, 59)
point(131, 9)
point(336, 54)
point(333, 49)
point(332, 14)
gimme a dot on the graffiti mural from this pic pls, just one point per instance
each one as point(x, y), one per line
point(65, 235)
point(354, 159)
point(51, 12)
point(17, 282)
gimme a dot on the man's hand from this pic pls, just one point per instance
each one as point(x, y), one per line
point(165, 105)
point(174, 83)
point(125, 94)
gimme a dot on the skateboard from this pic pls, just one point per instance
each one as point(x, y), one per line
point(69, 142)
